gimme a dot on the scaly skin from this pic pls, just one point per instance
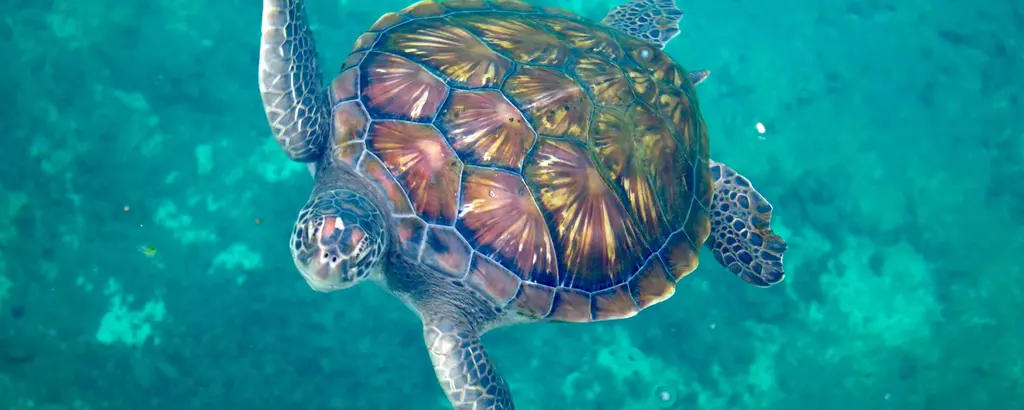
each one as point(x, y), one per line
point(464, 369)
point(741, 238)
point(296, 105)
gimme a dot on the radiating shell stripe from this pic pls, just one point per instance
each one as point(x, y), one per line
point(550, 164)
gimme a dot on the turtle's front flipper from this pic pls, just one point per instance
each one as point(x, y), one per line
point(465, 372)
point(294, 99)
point(741, 238)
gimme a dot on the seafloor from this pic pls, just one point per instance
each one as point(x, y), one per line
point(893, 153)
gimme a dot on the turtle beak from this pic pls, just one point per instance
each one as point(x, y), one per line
point(323, 275)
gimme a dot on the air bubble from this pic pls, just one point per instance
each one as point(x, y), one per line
point(665, 396)
point(491, 193)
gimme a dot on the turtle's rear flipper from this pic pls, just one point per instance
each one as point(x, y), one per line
point(293, 97)
point(654, 21)
point(741, 238)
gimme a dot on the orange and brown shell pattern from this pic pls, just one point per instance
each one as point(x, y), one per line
point(554, 165)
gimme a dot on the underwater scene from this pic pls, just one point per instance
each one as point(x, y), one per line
point(522, 190)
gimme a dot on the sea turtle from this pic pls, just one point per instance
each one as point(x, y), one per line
point(491, 162)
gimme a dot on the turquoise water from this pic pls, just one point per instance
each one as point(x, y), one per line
point(892, 155)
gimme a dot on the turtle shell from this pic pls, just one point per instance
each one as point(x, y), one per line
point(554, 165)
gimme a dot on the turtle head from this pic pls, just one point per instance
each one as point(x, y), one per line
point(338, 240)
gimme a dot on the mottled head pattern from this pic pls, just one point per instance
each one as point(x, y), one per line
point(551, 164)
point(337, 241)
point(655, 21)
point(750, 249)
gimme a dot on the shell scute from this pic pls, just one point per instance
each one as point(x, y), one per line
point(445, 250)
point(513, 5)
point(680, 251)
point(571, 305)
point(652, 284)
point(395, 87)
point(422, 163)
point(411, 232)
point(556, 104)
point(353, 60)
point(636, 150)
point(349, 152)
point(387, 21)
point(425, 8)
point(598, 244)
point(533, 301)
point(455, 52)
point(583, 37)
point(372, 167)
point(500, 218)
point(365, 41)
point(644, 87)
point(345, 86)
point(702, 197)
point(466, 5)
point(614, 303)
point(486, 129)
point(677, 107)
point(516, 37)
point(605, 82)
point(706, 187)
point(350, 122)
point(492, 280)
point(562, 13)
